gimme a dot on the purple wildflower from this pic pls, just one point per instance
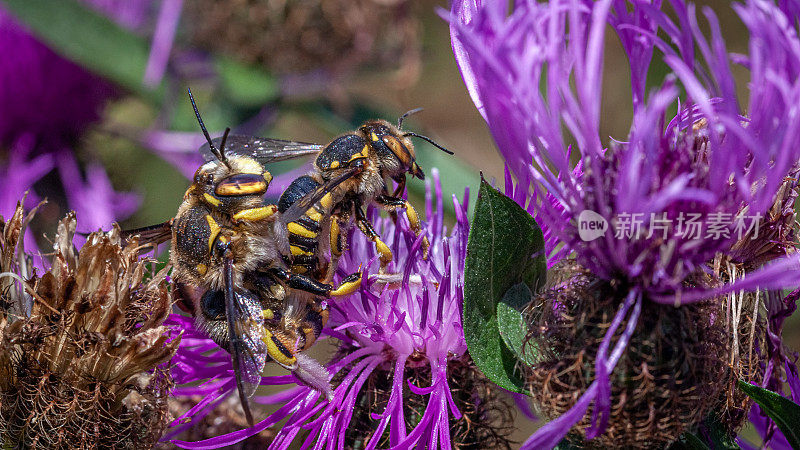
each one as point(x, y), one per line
point(47, 103)
point(396, 328)
point(535, 75)
point(94, 200)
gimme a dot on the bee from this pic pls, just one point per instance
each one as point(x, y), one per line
point(350, 173)
point(227, 267)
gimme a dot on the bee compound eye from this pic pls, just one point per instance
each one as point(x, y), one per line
point(242, 184)
point(397, 148)
point(212, 305)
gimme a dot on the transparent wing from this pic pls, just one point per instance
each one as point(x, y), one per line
point(153, 234)
point(263, 150)
point(245, 334)
point(300, 207)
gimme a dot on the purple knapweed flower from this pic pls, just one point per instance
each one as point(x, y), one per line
point(401, 352)
point(647, 214)
point(47, 103)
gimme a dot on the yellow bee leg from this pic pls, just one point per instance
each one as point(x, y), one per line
point(413, 219)
point(255, 214)
point(278, 351)
point(392, 204)
point(337, 246)
point(349, 285)
point(366, 228)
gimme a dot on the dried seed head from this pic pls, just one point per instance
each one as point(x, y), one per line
point(83, 368)
point(776, 234)
point(288, 36)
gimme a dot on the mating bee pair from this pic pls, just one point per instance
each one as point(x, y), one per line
point(255, 275)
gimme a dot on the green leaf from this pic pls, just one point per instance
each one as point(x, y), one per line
point(505, 247)
point(720, 438)
point(511, 324)
point(246, 86)
point(689, 441)
point(89, 39)
point(783, 411)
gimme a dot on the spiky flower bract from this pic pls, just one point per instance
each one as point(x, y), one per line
point(535, 74)
point(401, 376)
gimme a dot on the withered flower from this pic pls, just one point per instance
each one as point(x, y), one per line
point(289, 35)
point(82, 345)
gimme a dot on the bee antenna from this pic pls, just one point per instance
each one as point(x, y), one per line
point(222, 144)
point(408, 113)
point(217, 152)
point(429, 140)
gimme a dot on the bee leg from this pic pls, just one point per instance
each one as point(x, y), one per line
point(303, 282)
point(366, 228)
point(348, 285)
point(394, 203)
point(278, 348)
point(255, 214)
point(398, 193)
point(338, 241)
point(401, 187)
point(307, 284)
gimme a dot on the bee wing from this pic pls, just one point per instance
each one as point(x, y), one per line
point(300, 207)
point(153, 234)
point(263, 150)
point(245, 337)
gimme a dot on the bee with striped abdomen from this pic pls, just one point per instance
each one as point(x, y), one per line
point(350, 173)
point(228, 269)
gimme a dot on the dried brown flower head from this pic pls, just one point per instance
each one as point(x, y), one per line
point(301, 35)
point(82, 368)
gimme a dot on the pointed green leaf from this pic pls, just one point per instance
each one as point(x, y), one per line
point(783, 411)
point(89, 39)
point(511, 324)
point(505, 247)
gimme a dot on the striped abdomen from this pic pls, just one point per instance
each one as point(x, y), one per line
point(304, 232)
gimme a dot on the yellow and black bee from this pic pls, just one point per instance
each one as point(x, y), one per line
point(350, 173)
point(227, 267)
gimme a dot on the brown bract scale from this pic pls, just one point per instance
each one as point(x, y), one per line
point(680, 365)
point(776, 234)
point(83, 369)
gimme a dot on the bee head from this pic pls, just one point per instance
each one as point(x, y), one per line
point(395, 151)
point(390, 140)
point(230, 187)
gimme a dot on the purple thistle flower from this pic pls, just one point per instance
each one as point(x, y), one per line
point(535, 75)
point(396, 326)
point(655, 171)
point(47, 103)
